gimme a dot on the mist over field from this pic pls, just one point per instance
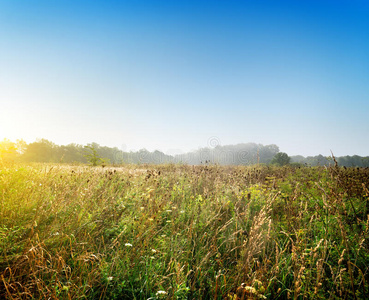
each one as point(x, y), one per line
point(215, 154)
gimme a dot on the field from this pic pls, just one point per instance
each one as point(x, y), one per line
point(183, 232)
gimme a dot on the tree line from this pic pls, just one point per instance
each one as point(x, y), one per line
point(43, 150)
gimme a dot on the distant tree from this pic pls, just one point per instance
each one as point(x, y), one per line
point(281, 159)
point(71, 153)
point(267, 152)
point(241, 154)
point(365, 161)
point(40, 151)
point(298, 159)
point(92, 156)
point(322, 160)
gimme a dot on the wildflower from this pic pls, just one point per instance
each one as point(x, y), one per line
point(244, 289)
point(250, 289)
point(168, 210)
point(158, 293)
point(110, 278)
point(128, 245)
point(153, 251)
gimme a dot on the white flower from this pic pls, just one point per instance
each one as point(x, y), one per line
point(251, 289)
point(128, 245)
point(161, 293)
point(153, 251)
point(110, 278)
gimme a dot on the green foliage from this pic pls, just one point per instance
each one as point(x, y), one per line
point(93, 157)
point(281, 159)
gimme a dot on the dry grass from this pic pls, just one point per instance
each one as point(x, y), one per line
point(183, 232)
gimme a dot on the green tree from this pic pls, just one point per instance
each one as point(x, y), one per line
point(281, 159)
point(40, 151)
point(92, 155)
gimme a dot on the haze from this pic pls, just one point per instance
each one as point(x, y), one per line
point(175, 75)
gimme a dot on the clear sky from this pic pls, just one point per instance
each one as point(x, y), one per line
point(170, 75)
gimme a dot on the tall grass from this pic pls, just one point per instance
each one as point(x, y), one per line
point(183, 232)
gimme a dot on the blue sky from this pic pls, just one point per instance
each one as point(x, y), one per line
point(170, 75)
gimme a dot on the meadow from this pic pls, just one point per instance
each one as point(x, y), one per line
point(183, 232)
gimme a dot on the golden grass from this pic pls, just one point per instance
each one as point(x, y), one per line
point(183, 232)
